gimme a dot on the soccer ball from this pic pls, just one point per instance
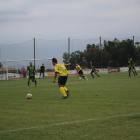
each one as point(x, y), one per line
point(29, 96)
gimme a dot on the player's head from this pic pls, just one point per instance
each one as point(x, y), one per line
point(54, 61)
point(31, 64)
point(90, 62)
point(130, 59)
point(76, 63)
point(42, 64)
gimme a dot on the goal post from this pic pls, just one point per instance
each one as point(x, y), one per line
point(14, 66)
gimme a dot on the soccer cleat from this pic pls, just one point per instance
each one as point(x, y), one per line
point(80, 79)
point(28, 87)
point(68, 93)
point(36, 85)
point(129, 75)
point(64, 97)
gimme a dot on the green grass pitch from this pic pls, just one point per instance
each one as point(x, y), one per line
point(100, 109)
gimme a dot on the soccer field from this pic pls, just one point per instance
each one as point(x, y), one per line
point(106, 108)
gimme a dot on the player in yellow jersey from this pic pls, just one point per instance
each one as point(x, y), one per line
point(80, 71)
point(63, 74)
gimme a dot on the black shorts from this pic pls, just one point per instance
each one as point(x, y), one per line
point(62, 80)
point(31, 77)
point(41, 71)
point(80, 72)
point(130, 68)
point(93, 71)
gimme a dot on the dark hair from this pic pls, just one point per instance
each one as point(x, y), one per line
point(54, 60)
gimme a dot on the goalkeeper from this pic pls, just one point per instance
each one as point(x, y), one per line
point(93, 70)
point(32, 72)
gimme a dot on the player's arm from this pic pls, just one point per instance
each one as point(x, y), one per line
point(68, 64)
point(35, 71)
point(27, 73)
point(55, 76)
point(56, 73)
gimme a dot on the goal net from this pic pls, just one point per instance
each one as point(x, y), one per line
point(17, 69)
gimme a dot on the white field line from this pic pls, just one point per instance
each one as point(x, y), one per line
point(69, 122)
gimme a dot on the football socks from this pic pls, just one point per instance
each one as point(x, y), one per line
point(92, 75)
point(62, 90)
point(35, 82)
point(28, 83)
point(65, 88)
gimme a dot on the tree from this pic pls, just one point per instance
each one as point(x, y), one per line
point(79, 57)
point(120, 51)
point(99, 57)
point(76, 56)
point(65, 57)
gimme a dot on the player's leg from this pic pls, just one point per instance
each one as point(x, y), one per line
point(29, 81)
point(66, 90)
point(135, 70)
point(81, 74)
point(85, 76)
point(96, 73)
point(35, 81)
point(92, 73)
point(129, 71)
point(61, 86)
point(78, 76)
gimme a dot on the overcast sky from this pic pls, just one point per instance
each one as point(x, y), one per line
point(22, 20)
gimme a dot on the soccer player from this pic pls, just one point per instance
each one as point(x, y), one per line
point(80, 71)
point(63, 75)
point(133, 67)
point(78, 75)
point(130, 66)
point(93, 70)
point(42, 69)
point(32, 72)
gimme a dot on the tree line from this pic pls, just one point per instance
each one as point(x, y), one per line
point(113, 54)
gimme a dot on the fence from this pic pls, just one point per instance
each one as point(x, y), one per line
point(41, 49)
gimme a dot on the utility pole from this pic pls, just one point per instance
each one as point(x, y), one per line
point(101, 50)
point(34, 52)
point(133, 41)
point(69, 52)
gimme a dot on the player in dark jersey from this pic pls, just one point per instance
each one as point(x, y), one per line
point(32, 72)
point(93, 70)
point(42, 70)
point(133, 67)
point(130, 62)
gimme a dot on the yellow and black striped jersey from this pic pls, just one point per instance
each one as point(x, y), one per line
point(78, 68)
point(61, 69)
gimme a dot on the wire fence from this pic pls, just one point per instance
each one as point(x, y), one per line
point(52, 48)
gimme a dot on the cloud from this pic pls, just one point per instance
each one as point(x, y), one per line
point(60, 18)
